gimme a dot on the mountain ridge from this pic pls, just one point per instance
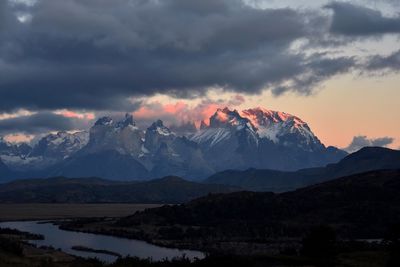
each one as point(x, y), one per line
point(119, 149)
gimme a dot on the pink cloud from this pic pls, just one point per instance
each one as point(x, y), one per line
point(180, 111)
point(18, 138)
point(77, 115)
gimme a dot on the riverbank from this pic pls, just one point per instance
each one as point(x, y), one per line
point(39, 211)
point(99, 251)
point(96, 245)
point(14, 252)
point(151, 235)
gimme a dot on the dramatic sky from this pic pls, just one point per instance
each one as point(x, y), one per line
point(335, 64)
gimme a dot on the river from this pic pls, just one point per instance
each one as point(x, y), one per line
point(65, 240)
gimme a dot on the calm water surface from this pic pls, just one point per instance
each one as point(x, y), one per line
point(64, 240)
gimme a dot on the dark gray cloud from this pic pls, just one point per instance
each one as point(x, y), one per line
point(316, 69)
point(361, 141)
point(41, 122)
point(98, 55)
point(385, 63)
point(95, 54)
point(354, 20)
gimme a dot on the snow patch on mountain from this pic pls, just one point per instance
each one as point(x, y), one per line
point(228, 118)
point(157, 135)
point(122, 136)
point(159, 127)
point(211, 136)
point(281, 128)
point(60, 145)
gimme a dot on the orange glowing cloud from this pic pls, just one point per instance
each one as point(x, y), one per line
point(149, 111)
point(19, 113)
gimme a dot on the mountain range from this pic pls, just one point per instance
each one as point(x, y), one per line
point(119, 149)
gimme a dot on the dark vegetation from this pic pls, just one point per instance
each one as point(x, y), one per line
point(393, 239)
point(367, 159)
point(361, 206)
point(10, 240)
point(10, 246)
point(25, 235)
point(348, 203)
point(94, 190)
point(317, 226)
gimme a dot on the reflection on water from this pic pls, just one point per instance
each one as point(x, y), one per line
point(64, 240)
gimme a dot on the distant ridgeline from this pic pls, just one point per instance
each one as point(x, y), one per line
point(120, 150)
point(366, 159)
point(167, 190)
point(177, 190)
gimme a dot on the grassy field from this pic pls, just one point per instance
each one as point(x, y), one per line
point(9, 212)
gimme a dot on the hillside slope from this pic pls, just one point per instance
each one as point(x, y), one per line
point(366, 159)
point(359, 206)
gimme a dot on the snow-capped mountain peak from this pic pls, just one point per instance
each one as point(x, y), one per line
point(158, 126)
point(156, 135)
point(252, 138)
point(225, 124)
point(229, 118)
point(105, 121)
point(282, 128)
point(122, 136)
point(9, 149)
point(60, 145)
point(126, 122)
point(264, 117)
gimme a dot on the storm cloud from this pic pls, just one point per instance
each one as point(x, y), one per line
point(107, 56)
point(41, 122)
point(354, 20)
point(385, 63)
point(96, 54)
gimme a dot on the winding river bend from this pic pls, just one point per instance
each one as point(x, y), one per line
point(65, 240)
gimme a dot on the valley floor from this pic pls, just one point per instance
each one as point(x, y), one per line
point(16, 212)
